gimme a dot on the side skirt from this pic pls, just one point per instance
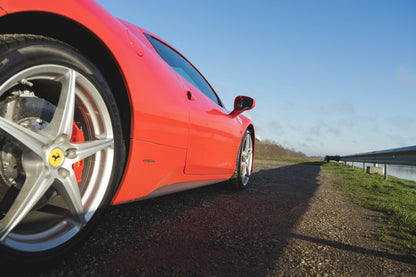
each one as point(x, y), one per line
point(169, 189)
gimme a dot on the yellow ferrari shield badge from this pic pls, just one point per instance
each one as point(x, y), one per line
point(55, 157)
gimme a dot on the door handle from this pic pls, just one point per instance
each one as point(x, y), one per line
point(190, 96)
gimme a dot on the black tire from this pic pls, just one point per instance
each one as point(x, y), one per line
point(43, 82)
point(244, 163)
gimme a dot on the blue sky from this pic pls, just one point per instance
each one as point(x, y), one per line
point(329, 77)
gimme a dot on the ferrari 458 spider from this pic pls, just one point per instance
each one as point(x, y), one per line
point(95, 111)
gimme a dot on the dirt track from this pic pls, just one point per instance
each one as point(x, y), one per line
point(290, 221)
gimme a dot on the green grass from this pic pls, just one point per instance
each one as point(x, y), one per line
point(395, 198)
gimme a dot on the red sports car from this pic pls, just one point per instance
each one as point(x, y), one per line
point(95, 111)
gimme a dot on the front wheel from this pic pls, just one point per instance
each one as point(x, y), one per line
point(244, 163)
point(60, 135)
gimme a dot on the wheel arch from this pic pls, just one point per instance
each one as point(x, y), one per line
point(74, 34)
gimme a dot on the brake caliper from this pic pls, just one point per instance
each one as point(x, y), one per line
point(77, 136)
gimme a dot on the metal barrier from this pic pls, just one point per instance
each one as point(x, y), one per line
point(400, 156)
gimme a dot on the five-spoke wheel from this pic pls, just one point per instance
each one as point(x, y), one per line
point(244, 163)
point(59, 138)
point(246, 159)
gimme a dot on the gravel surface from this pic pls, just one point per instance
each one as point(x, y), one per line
point(291, 221)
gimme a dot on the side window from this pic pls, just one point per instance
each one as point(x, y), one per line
point(183, 68)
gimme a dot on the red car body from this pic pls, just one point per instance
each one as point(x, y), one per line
point(189, 147)
point(106, 119)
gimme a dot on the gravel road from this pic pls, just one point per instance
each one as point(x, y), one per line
point(291, 221)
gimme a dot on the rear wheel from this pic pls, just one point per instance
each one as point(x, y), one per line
point(60, 135)
point(244, 163)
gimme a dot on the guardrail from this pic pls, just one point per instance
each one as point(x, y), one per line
point(400, 156)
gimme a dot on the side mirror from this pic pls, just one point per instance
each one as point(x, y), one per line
point(241, 104)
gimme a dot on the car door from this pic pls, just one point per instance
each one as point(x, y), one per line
point(214, 135)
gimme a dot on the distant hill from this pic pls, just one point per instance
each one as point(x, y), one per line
point(268, 149)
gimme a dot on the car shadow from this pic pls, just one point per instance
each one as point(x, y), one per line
point(203, 232)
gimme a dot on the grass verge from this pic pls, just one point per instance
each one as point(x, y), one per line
point(396, 198)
